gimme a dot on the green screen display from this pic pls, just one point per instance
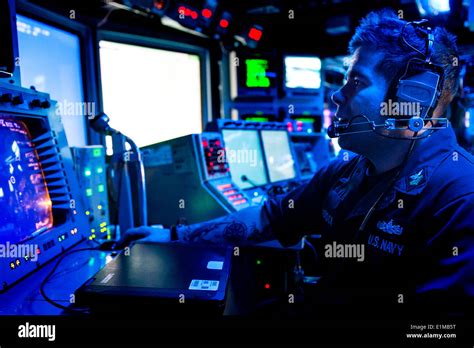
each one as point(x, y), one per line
point(257, 73)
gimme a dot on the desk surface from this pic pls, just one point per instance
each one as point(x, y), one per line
point(74, 270)
point(25, 298)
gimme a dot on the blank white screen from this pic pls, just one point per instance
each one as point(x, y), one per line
point(151, 95)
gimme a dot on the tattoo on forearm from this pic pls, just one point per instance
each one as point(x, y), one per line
point(235, 232)
point(227, 230)
point(201, 233)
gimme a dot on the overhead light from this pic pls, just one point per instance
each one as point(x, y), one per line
point(255, 34)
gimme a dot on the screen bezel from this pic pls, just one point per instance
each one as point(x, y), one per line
point(85, 36)
point(167, 45)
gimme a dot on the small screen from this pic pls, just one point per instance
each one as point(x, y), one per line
point(280, 162)
point(25, 205)
point(257, 73)
point(303, 72)
point(50, 60)
point(244, 154)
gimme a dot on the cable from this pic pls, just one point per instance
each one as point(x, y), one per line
point(47, 278)
point(415, 24)
point(311, 246)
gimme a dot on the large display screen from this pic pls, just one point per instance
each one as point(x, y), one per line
point(25, 204)
point(151, 95)
point(302, 72)
point(50, 60)
point(245, 157)
point(280, 161)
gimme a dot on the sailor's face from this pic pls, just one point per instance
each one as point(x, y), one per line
point(362, 94)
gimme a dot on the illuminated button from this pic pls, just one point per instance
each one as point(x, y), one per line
point(207, 13)
point(224, 23)
point(100, 170)
point(259, 262)
point(59, 239)
point(87, 172)
point(38, 251)
point(88, 212)
point(12, 265)
point(101, 188)
point(17, 262)
point(97, 152)
point(88, 192)
point(267, 286)
point(99, 207)
point(255, 34)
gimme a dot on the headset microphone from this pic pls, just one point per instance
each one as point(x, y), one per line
point(414, 124)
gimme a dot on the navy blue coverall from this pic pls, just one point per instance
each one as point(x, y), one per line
point(419, 242)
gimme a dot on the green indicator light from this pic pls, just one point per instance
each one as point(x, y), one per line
point(100, 188)
point(256, 119)
point(88, 192)
point(259, 262)
point(87, 172)
point(97, 152)
point(100, 170)
point(305, 120)
point(257, 73)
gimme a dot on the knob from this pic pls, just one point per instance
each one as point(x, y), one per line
point(35, 103)
point(18, 100)
point(6, 98)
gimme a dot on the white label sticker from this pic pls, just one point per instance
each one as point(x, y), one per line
point(206, 285)
point(107, 278)
point(215, 265)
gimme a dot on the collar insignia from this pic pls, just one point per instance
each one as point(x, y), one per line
point(389, 227)
point(416, 178)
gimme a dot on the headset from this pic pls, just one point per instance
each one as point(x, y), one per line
point(419, 83)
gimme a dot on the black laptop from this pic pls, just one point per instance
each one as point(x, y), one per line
point(174, 278)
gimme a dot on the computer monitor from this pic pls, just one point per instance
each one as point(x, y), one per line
point(278, 155)
point(253, 76)
point(25, 204)
point(151, 94)
point(302, 74)
point(245, 157)
point(50, 60)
